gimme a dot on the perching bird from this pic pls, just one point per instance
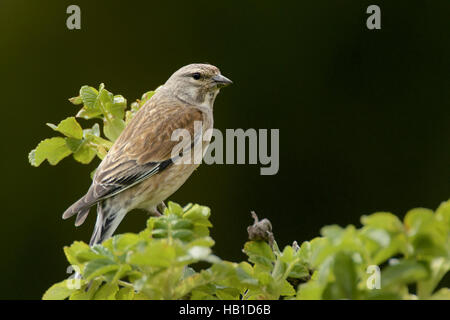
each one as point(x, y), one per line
point(140, 170)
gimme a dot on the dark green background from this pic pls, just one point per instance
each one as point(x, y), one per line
point(363, 115)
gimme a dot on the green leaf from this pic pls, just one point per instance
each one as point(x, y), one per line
point(443, 214)
point(86, 292)
point(107, 292)
point(286, 289)
point(404, 272)
point(87, 114)
point(78, 253)
point(383, 220)
point(122, 243)
point(74, 144)
point(182, 234)
point(104, 249)
point(68, 127)
point(382, 295)
point(299, 271)
point(286, 263)
point(397, 245)
point(53, 149)
point(310, 291)
point(99, 267)
point(228, 294)
point(113, 128)
point(198, 215)
point(117, 107)
point(98, 144)
point(90, 109)
point(32, 158)
point(125, 293)
point(442, 294)
point(289, 256)
point(59, 291)
point(345, 273)
point(170, 225)
point(439, 268)
point(85, 154)
point(76, 100)
point(135, 106)
point(89, 96)
point(156, 254)
point(416, 220)
point(381, 244)
point(332, 232)
point(380, 236)
point(259, 252)
point(146, 96)
point(182, 224)
point(427, 235)
point(174, 208)
point(203, 241)
point(304, 252)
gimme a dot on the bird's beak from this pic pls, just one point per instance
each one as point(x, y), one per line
point(221, 81)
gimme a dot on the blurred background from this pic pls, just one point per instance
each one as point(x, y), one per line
point(363, 114)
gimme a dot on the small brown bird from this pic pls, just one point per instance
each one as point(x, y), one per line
point(140, 170)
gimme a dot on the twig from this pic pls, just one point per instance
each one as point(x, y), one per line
point(261, 230)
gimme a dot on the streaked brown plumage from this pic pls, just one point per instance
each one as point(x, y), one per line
point(139, 171)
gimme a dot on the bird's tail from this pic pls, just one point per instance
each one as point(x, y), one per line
point(108, 219)
point(80, 208)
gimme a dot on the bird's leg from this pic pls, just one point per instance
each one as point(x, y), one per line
point(158, 210)
point(161, 207)
point(153, 211)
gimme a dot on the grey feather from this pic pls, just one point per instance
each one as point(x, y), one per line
point(108, 219)
point(82, 215)
point(80, 205)
point(111, 186)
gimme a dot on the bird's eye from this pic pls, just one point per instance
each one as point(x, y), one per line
point(196, 76)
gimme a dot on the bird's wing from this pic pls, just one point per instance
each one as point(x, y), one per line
point(145, 146)
point(142, 150)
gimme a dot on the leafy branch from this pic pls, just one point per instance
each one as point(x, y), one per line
point(161, 261)
point(85, 144)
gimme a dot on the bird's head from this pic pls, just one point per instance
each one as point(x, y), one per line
point(197, 84)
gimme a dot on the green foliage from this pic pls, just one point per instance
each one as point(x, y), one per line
point(162, 262)
point(84, 144)
point(172, 257)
